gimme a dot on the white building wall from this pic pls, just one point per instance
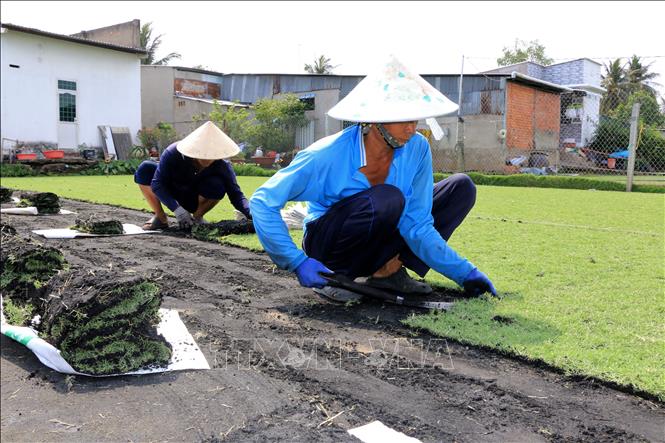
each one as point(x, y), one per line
point(108, 88)
point(590, 118)
point(591, 73)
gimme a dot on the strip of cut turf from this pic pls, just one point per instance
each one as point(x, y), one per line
point(582, 274)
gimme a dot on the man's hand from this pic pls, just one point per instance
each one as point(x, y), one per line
point(308, 273)
point(185, 219)
point(477, 283)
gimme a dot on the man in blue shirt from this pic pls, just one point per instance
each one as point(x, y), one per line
point(373, 210)
point(191, 178)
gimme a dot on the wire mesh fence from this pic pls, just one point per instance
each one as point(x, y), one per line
point(556, 132)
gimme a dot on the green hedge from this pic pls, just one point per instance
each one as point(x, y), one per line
point(252, 170)
point(15, 170)
point(541, 181)
point(119, 167)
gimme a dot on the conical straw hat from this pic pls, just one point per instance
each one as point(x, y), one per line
point(208, 142)
point(392, 94)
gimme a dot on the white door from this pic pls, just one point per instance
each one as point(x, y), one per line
point(68, 129)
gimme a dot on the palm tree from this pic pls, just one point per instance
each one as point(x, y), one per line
point(321, 66)
point(151, 45)
point(639, 77)
point(615, 83)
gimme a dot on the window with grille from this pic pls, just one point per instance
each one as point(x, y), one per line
point(67, 107)
point(67, 100)
point(64, 84)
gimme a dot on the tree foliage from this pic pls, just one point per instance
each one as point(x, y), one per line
point(638, 76)
point(321, 65)
point(233, 120)
point(151, 44)
point(623, 79)
point(614, 82)
point(159, 137)
point(613, 132)
point(275, 122)
point(271, 127)
point(523, 51)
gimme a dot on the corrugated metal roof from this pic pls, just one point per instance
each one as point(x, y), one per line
point(210, 101)
point(541, 84)
point(69, 38)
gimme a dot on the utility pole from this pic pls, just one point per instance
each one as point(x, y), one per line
point(632, 146)
point(459, 145)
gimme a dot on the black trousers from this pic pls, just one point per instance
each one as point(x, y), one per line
point(359, 234)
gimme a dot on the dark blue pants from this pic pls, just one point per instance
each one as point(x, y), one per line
point(358, 234)
point(210, 187)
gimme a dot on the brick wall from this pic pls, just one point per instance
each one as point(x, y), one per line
point(532, 118)
point(519, 116)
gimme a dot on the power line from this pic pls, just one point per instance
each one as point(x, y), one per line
point(575, 58)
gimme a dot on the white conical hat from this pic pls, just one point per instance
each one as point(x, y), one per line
point(208, 142)
point(392, 94)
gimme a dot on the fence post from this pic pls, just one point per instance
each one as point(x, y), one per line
point(632, 146)
point(459, 145)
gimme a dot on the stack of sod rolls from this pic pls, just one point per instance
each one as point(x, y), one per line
point(26, 267)
point(45, 202)
point(104, 323)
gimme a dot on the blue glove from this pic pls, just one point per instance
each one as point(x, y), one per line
point(477, 283)
point(308, 273)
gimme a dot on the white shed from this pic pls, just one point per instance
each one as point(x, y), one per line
point(57, 89)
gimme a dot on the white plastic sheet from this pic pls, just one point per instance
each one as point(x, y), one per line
point(293, 216)
point(377, 432)
point(30, 210)
point(128, 228)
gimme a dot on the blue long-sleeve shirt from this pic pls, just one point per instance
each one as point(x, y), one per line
point(176, 172)
point(328, 171)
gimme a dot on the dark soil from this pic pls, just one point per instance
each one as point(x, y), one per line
point(284, 362)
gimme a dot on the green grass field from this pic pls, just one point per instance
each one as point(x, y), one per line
point(581, 273)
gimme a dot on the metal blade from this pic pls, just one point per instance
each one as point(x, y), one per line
point(342, 281)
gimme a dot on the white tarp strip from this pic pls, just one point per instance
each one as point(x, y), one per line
point(30, 210)
point(71, 233)
point(377, 432)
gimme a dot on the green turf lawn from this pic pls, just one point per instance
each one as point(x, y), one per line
point(581, 273)
point(119, 190)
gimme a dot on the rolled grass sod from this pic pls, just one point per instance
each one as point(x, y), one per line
point(45, 202)
point(104, 323)
point(212, 231)
point(581, 275)
point(26, 266)
point(93, 225)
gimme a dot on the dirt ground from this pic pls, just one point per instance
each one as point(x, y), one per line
point(288, 366)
